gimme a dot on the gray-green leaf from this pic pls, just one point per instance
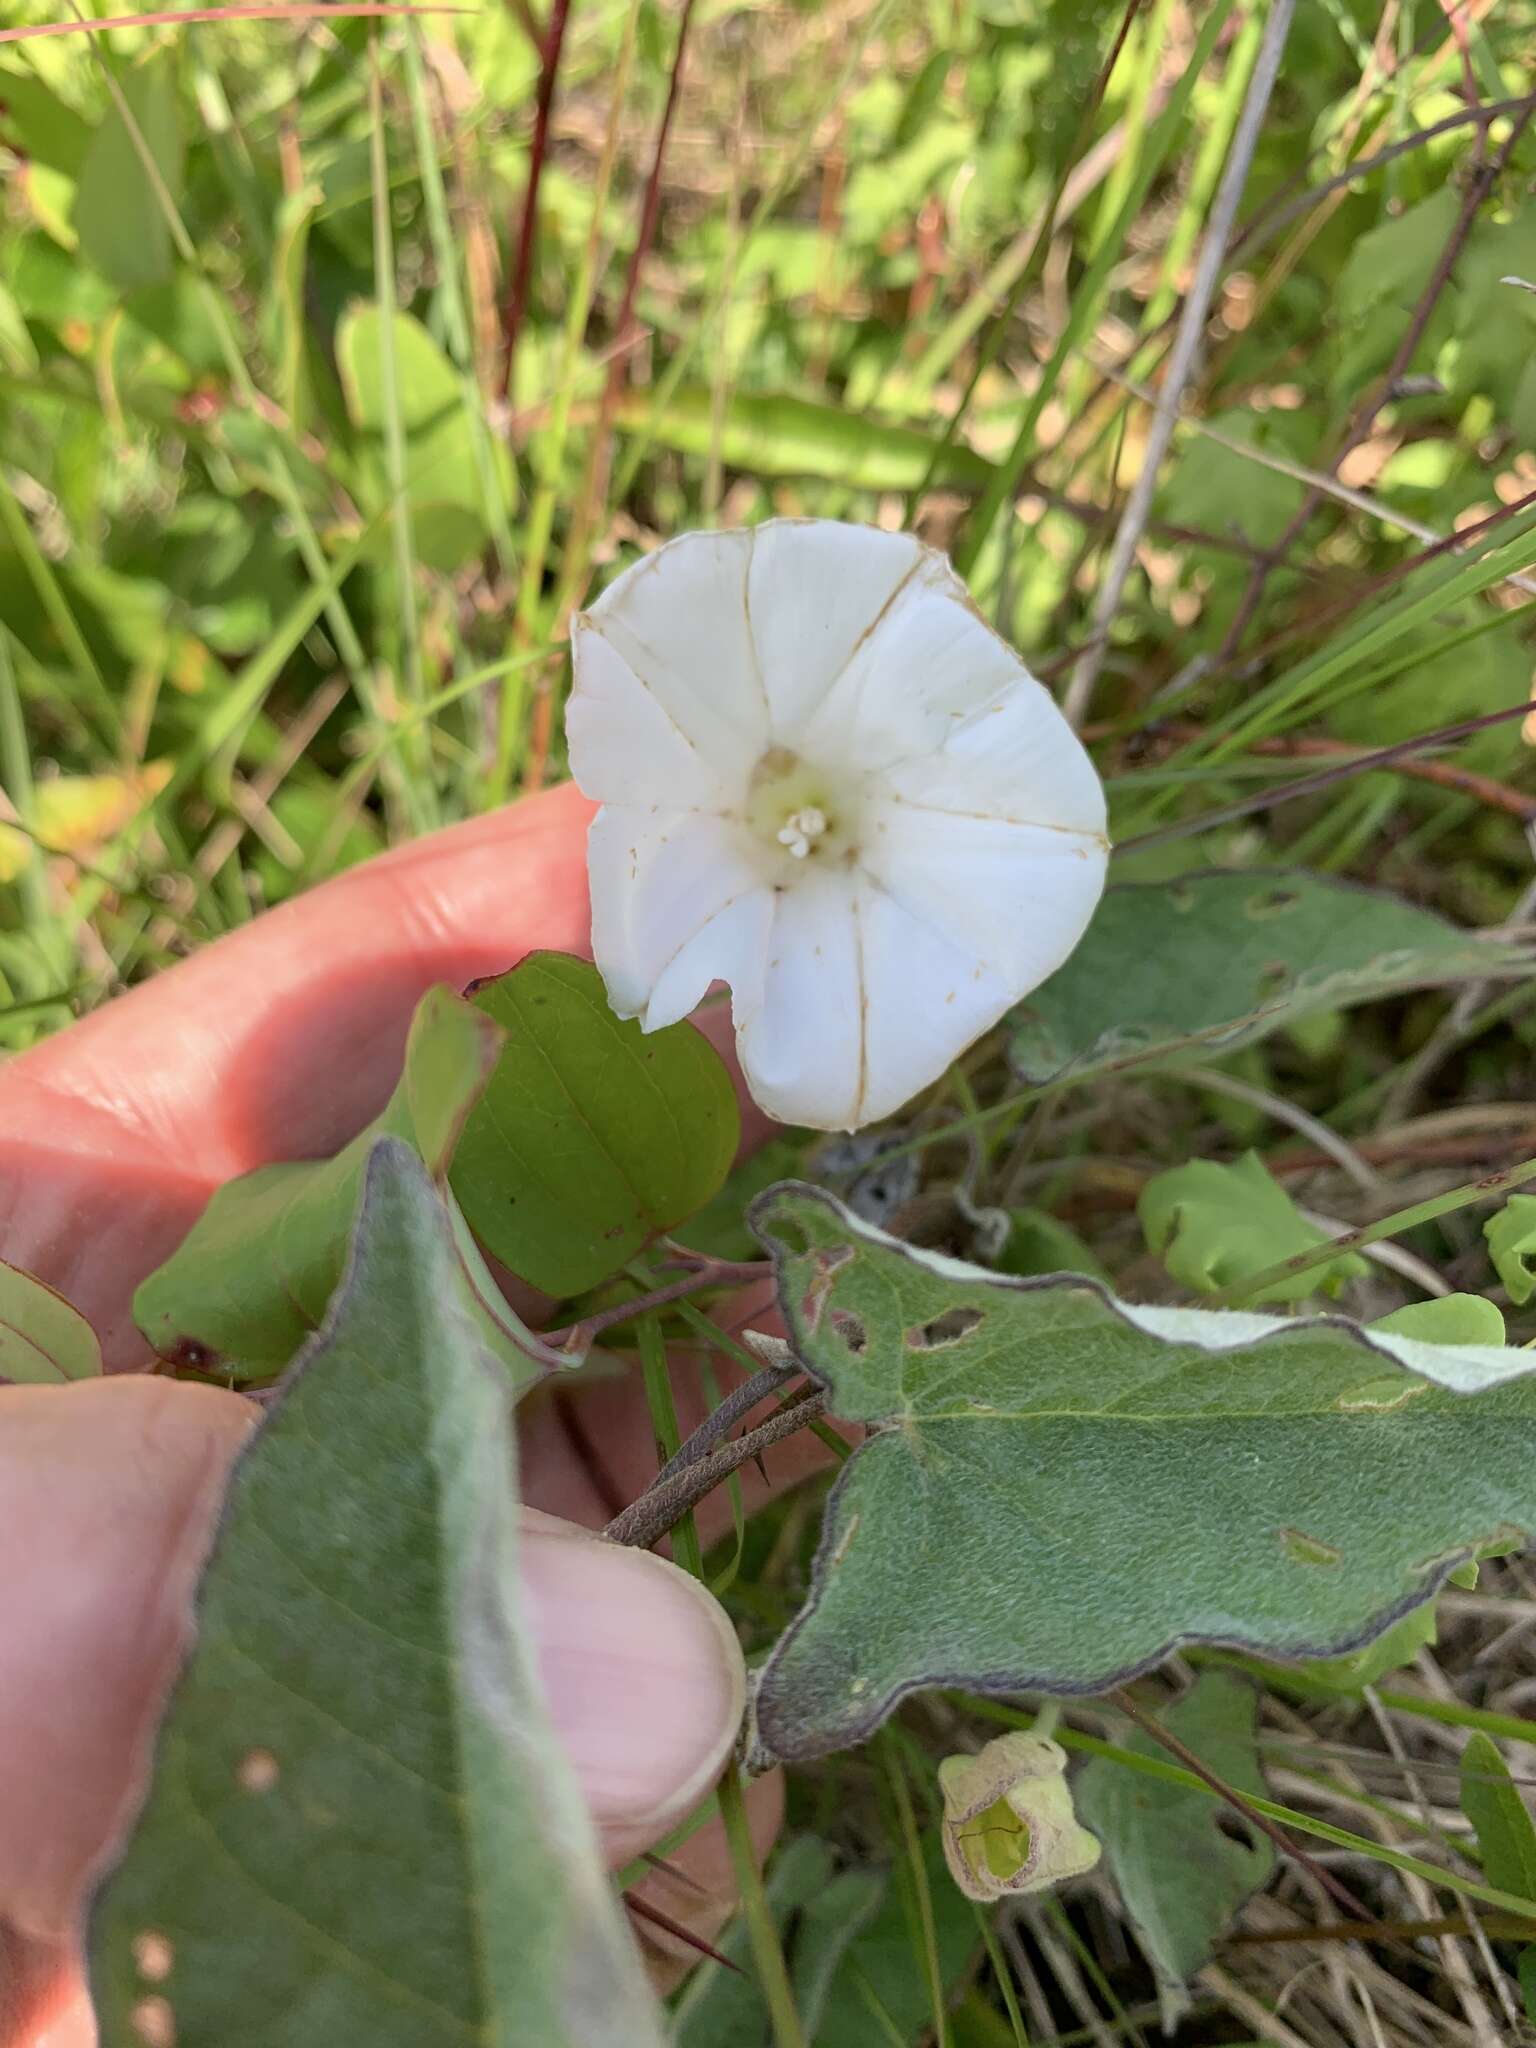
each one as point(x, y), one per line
point(251, 1280)
point(593, 1135)
point(361, 1828)
point(1184, 1863)
point(1195, 967)
point(1060, 1487)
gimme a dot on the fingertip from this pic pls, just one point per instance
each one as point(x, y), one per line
point(643, 1675)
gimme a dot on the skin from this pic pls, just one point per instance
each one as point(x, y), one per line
point(280, 1042)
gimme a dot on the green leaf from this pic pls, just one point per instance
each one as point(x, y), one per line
point(118, 215)
point(1058, 1487)
point(593, 1135)
point(774, 434)
point(1394, 262)
point(720, 1228)
point(856, 1957)
point(1038, 1242)
point(1184, 1863)
point(1448, 1319)
point(252, 1278)
point(1511, 1235)
point(43, 1338)
point(1214, 1225)
point(819, 1910)
point(361, 1826)
point(1506, 1837)
point(1193, 968)
point(442, 477)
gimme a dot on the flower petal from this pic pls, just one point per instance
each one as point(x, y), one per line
point(1015, 759)
point(679, 619)
point(815, 588)
point(623, 741)
point(926, 999)
point(802, 1043)
point(1015, 898)
point(660, 880)
point(930, 661)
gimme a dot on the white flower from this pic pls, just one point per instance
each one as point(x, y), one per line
point(825, 781)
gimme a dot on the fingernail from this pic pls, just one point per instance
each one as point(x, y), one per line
point(643, 1675)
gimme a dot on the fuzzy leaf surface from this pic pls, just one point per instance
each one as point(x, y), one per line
point(361, 1827)
point(1060, 1487)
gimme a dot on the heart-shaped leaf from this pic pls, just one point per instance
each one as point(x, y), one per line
point(1060, 1487)
point(251, 1280)
point(361, 1827)
point(593, 1135)
point(1195, 967)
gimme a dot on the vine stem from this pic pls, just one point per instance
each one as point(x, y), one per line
point(772, 1976)
point(665, 1503)
point(703, 1272)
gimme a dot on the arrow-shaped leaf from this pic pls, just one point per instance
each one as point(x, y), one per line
point(1198, 966)
point(1060, 1487)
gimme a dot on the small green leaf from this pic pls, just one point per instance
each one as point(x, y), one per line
point(252, 1278)
point(1448, 1319)
point(881, 1992)
point(1506, 1837)
point(1215, 1225)
point(361, 1826)
point(43, 1338)
point(118, 214)
point(592, 1135)
point(1511, 1235)
point(858, 1975)
point(1038, 1242)
point(1193, 968)
point(442, 472)
point(1184, 1863)
point(1153, 1476)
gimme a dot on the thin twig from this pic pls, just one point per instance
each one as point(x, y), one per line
point(1181, 362)
point(707, 1273)
point(722, 1419)
point(1325, 778)
point(538, 149)
point(1481, 183)
point(627, 334)
point(649, 1518)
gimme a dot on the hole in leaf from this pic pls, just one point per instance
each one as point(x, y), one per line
point(154, 2023)
point(1274, 978)
point(948, 1328)
point(850, 1328)
point(1236, 1829)
point(1273, 902)
point(153, 1955)
point(257, 1771)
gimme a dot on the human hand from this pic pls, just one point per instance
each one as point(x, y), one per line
point(282, 1041)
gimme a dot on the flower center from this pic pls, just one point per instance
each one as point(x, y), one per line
point(795, 810)
point(801, 830)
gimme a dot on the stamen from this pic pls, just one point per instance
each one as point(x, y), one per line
point(801, 829)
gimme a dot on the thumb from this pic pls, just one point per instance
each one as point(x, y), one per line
point(109, 1493)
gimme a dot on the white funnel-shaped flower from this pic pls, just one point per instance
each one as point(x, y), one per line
point(827, 782)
